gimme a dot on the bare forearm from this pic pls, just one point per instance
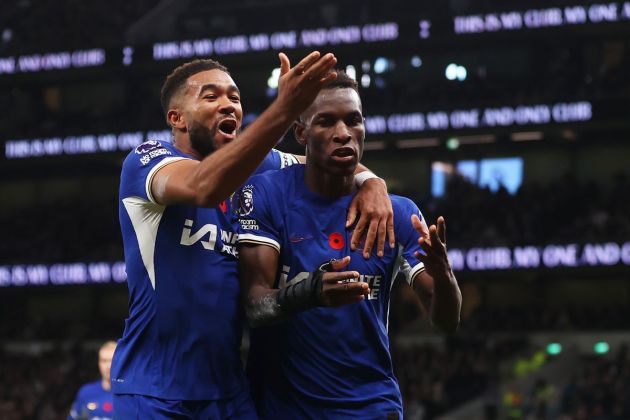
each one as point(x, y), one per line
point(446, 304)
point(221, 173)
point(262, 307)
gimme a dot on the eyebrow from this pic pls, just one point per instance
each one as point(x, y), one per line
point(332, 114)
point(212, 86)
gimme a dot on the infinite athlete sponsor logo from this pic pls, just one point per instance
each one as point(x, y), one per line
point(246, 200)
point(207, 236)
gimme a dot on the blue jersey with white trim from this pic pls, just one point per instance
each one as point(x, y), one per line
point(182, 337)
point(92, 402)
point(323, 362)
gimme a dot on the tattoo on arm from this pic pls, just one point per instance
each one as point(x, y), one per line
point(264, 310)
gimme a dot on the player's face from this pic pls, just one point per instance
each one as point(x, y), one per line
point(212, 107)
point(334, 131)
point(105, 361)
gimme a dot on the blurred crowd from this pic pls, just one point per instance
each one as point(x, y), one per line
point(434, 380)
point(599, 389)
point(613, 316)
point(563, 211)
point(41, 384)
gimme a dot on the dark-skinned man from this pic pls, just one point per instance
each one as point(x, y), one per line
point(319, 349)
point(179, 355)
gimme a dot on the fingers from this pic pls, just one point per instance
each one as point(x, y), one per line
point(352, 215)
point(335, 277)
point(381, 236)
point(370, 238)
point(442, 229)
point(320, 70)
point(390, 230)
point(419, 226)
point(358, 232)
point(342, 263)
point(434, 235)
point(306, 62)
point(285, 64)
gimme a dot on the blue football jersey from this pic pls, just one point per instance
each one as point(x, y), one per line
point(324, 362)
point(182, 338)
point(92, 402)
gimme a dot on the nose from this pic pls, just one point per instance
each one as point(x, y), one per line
point(226, 106)
point(341, 133)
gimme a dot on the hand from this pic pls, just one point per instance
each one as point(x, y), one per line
point(375, 212)
point(298, 86)
point(433, 242)
point(342, 288)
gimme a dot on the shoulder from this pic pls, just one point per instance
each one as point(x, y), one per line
point(151, 151)
point(403, 209)
point(90, 389)
point(274, 179)
point(280, 160)
point(403, 205)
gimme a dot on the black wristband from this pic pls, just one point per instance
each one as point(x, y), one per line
point(305, 294)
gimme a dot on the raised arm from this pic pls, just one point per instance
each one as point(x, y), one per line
point(206, 183)
point(265, 305)
point(436, 285)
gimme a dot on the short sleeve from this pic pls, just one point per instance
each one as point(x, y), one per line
point(407, 237)
point(275, 160)
point(142, 164)
point(258, 223)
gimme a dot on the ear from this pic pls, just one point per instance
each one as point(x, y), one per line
point(299, 128)
point(176, 119)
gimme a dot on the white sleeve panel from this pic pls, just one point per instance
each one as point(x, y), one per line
point(259, 240)
point(145, 218)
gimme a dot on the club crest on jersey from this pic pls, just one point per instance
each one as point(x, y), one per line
point(246, 200)
point(147, 146)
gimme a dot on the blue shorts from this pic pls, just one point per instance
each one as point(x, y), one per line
point(141, 407)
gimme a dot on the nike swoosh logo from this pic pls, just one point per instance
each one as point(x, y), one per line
point(296, 239)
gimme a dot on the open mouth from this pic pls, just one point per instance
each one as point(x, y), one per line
point(228, 127)
point(343, 152)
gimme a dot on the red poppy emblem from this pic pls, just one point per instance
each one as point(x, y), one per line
point(108, 407)
point(223, 206)
point(335, 240)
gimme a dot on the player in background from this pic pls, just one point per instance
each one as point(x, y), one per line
point(179, 356)
point(321, 349)
point(94, 400)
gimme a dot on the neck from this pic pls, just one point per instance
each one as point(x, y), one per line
point(106, 385)
point(327, 184)
point(182, 142)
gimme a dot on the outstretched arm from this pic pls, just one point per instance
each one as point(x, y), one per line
point(206, 183)
point(436, 285)
point(265, 305)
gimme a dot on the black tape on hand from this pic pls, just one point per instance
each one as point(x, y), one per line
point(305, 294)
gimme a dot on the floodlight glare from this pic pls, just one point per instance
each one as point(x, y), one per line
point(554, 348)
point(601, 347)
point(416, 61)
point(451, 71)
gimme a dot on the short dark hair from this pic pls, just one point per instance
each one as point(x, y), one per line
point(342, 81)
point(178, 77)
